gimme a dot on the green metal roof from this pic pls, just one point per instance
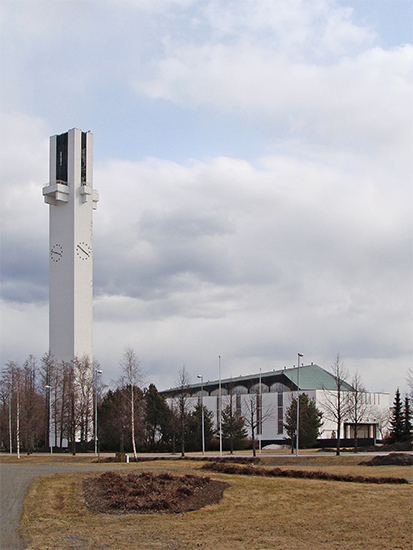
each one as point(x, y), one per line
point(313, 377)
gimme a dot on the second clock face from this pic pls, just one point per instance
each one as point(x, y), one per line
point(83, 250)
point(56, 252)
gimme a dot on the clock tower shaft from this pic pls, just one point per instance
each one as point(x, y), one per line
point(71, 199)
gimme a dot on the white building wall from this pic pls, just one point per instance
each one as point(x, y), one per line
point(376, 404)
point(270, 427)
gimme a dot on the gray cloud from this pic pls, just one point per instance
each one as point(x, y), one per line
point(300, 239)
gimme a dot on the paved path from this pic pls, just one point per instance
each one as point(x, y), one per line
point(15, 480)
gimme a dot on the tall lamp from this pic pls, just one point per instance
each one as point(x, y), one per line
point(50, 418)
point(96, 372)
point(298, 403)
point(220, 407)
point(202, 413)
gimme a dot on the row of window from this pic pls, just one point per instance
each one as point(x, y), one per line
point(238, 410)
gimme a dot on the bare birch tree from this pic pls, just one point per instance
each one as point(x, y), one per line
point(8, 391)
point(84, 392)
point(48, 378)
point(133, 378)
point(183, 404)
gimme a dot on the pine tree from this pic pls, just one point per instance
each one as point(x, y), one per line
point(233, 428)
point(407, 421)
point(397, 421)
point(194, 428)
point(310, 422)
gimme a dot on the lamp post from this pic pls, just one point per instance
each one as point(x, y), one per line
point(50, 418)
point(259, 408)
point(96, 372)
point(298, 403)
point(220, 407)
point(202, 412)
point(10, 434)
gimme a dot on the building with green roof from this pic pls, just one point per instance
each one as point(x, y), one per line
point(274, 391)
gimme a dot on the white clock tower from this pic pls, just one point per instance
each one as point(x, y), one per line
point(71, 200)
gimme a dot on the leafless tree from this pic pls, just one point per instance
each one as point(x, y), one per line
point(22, 409)
point(84, 392)
point(48, 378)
point(12, 376)
point(182, 402)
point(133, 379)
point(255, 415)
point(335, 403)
point(8, 395)
point(357, 406)
point(31, 402)
point(382, 417)
point(409, 380)
point(62, 402)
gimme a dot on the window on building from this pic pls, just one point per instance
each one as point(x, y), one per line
point(259, 414)
point(238, 404)
point(280, 403)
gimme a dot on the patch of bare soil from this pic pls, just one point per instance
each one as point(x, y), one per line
point(146, 492)
point(392, 459)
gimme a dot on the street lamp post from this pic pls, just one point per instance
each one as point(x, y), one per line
point(202, 413)
point(220, 407)
point(298, 403)
point(259, 409)
point(10, 434)
point(96, 372)
point(50, 418)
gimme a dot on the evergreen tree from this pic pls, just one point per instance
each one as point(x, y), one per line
point(310, 422)
point(113, 424)
point(194, 430)
point(397, 421)
point(233, 428)
point(407, 421)
point(157, 418)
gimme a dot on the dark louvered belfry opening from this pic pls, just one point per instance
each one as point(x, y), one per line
point(61, 157)
point(83, 157)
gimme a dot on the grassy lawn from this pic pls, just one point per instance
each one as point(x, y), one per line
point(255, 513)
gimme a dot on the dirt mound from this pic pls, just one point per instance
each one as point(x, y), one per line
point(303, 474)
point(146, 492)
point(393, 459)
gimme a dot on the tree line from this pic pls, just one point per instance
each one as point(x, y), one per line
point(49, 404)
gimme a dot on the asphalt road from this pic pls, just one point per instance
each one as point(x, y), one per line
point(15, 480)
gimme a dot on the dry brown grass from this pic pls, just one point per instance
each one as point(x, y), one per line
point(255, 513)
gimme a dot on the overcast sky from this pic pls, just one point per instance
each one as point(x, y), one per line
point(254, 165)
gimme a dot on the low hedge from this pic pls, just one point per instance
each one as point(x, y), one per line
point(303, 474)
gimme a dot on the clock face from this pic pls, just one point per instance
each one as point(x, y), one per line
point(56, 253)
point(83, 251)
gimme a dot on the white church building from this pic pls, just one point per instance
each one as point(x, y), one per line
point(274, 391)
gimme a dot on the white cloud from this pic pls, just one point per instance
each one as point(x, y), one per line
point(361, 101)
point(220, 255)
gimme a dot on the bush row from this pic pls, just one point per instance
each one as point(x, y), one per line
point(304, 474)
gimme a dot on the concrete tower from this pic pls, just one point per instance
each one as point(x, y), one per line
point(71, 199)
